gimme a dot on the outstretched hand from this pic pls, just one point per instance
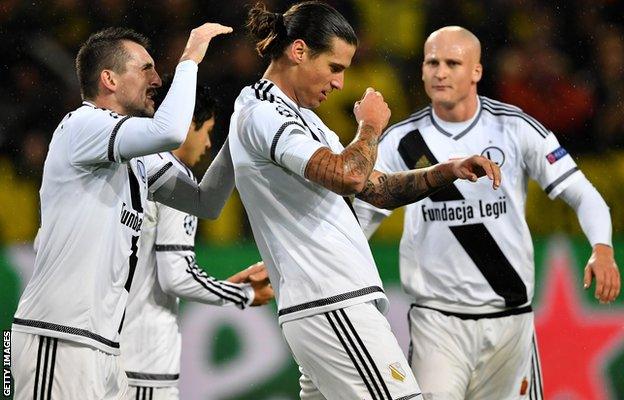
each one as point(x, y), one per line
point(257, 276)
point(602, 266)
point(200, 38)
point(474, 167)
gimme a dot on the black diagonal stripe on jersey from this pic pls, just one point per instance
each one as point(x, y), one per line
point(132, 261)
point(411, 148)
point(483, 250)
point(364, 377)
point(562, 178)
point(347, 200)
point(39, 352)
point(52, 363)
point(160, 173)
point(111, 141)
point(417, 116)
point(174, 247)
point(135, 190)
point(279, 133)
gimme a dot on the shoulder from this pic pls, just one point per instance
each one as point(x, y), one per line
point(417, 120)
point(509, 114)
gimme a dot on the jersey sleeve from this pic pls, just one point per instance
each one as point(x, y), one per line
point(158, 170)
point(546, 161)
point(93, 142)
point(107, 137)
point(177, 270)
point(279, 135)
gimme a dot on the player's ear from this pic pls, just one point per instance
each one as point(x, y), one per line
point(477, 73)
point(296, 51)
point(108, 80)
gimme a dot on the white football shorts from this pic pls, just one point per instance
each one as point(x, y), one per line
point(153, 393)
point(51, 368)
point(485, 358)
point(350, 354)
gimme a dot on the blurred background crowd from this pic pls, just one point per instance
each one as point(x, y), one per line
point(560, 61)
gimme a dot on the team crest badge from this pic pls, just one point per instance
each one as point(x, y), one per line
point(397, 371)
point(495, 154)
point(422, 163)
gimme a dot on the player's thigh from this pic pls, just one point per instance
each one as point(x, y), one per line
point(441, 350)
point(59, 369)
point(508, 365)
point(351, 353)
point(152, 393)
point(308, 391)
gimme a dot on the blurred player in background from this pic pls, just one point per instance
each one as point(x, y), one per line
point(167, 270)
point(295, 179)
point(466, 255)
point(95, 183)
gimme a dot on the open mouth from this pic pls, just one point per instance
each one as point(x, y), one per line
point(150, 94)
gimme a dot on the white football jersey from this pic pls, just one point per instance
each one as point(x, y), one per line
point(150, 339)
point(92, 205)
point(467, 248)
point(309, 238)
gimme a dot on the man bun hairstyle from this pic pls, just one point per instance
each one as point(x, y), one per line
point(314, 22)
point(103, 50)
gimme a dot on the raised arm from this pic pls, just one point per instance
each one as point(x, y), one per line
point(168, 129)
point(347, 173)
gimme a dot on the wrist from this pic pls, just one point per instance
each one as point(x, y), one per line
point(367, 130)
point(443, 173)
point(603, 249)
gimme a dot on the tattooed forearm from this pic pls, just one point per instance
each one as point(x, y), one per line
point(395, 190)
point(345, 173)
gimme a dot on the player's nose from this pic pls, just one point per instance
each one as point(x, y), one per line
point(338, 82)
point(156, 81)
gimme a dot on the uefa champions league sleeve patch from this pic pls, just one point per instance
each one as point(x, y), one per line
point(556, 155)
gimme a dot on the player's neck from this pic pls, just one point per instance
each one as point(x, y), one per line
point(183, 156)
point(282, 76)
point(459, 112)
point(109, 103)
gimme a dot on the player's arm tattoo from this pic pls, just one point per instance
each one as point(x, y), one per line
point(345, 173)
point(398, 189)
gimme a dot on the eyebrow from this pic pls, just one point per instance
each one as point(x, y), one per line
point(455, 60)
point(147, 66)
point(337, 66)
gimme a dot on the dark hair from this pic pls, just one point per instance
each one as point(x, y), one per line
point(103, 50)
point(314, 22)
point(205, 103)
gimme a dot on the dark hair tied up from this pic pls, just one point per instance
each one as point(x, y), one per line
point(314, 22)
